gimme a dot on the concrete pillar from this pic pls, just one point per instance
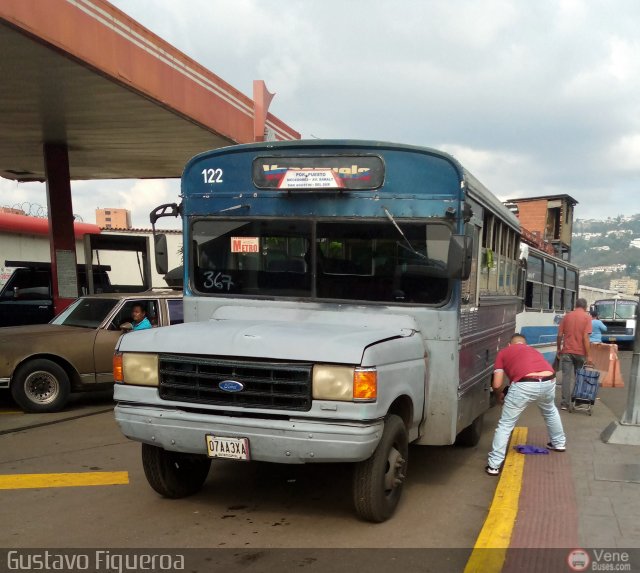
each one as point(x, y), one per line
point(64, 277)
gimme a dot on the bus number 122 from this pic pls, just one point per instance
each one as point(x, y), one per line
point(212, 175)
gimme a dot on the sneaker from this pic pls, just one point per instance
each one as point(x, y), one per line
point(564, 407)
point(492, 471)
point(550, 446)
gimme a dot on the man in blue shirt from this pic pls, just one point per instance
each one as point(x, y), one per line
point(139, 316)
point(597, 328)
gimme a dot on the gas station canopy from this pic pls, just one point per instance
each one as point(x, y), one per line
point(125, 103)
point(88, 93)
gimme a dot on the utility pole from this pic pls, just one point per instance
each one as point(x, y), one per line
point(627, 430)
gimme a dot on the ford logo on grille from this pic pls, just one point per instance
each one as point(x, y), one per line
point(231, 386)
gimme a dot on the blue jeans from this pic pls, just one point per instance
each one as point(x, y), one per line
point(520, 395)
point(569, 364)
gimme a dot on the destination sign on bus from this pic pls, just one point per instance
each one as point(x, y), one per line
point(349, 172)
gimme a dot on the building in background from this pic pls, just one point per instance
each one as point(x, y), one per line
point(12, 211)
point(592, 294)
point(624, 285)
point(549, 218)
point(113, 218)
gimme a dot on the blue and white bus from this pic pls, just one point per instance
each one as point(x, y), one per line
point(550, 290)
point(619, 316)
point(342, 300)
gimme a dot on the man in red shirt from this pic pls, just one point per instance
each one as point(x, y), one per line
point(532, 381)
point(574, 348)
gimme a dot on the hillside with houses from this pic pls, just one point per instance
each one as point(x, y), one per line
point(606, 249)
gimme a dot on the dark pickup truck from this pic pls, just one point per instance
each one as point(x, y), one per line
point(27, 298)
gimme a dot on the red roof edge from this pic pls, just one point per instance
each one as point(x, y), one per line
point(25, 225)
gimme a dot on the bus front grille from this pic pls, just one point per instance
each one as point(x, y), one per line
point(271, 385)
point(615, 328)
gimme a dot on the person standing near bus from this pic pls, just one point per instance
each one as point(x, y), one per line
point(574, 348)
point(598, 328)
point(532, 381)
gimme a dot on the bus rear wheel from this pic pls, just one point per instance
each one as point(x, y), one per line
point(378, 481)
point(174, 474)
point(470, 436)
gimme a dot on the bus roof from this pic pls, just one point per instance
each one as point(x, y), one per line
point(474, 187)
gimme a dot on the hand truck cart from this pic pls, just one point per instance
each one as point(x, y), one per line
point(585, 390)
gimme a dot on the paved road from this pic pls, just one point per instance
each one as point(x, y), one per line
point(242, 506)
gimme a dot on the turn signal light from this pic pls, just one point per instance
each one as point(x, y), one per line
point(118, 375)
point(365, 385)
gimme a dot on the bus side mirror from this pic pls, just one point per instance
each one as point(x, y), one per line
point(460, 257)
point(160, 250)
point(166, 210)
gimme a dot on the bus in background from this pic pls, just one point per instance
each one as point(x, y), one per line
point(342, 300)
point(550, 290)
point(619, 316)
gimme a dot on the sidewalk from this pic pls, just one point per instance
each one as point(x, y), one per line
point(589, 495)
point(606, 476)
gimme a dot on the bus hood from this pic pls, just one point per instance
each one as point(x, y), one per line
point(280, 334)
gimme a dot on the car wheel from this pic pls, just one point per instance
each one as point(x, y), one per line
point(378, 481)
point(174, 474)
point(471, 435)
point(40, 386)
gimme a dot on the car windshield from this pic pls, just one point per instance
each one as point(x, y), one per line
point(348, 260)
point(86, 312)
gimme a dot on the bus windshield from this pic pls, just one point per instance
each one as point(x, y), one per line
point(616, 310)
point(352, 260)
point(625, 310)
point(605, 310)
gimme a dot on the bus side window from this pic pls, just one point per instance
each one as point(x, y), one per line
point(469, 290)
point(533, 293)
point(487, 261)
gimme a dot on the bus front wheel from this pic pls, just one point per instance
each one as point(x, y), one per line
point(378, 481)
point(174, 474)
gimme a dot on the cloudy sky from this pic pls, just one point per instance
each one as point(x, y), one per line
point(533, 97)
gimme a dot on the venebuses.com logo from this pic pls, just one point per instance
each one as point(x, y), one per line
point(598, 560)
point(578, 560)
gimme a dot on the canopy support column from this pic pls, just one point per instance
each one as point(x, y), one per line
point(64, 277)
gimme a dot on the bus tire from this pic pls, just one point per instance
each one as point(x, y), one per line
point(378, 481)
point(40, 386)
point(470, 436)
point(174, 474)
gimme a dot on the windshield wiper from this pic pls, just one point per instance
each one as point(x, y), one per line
point(409, 246)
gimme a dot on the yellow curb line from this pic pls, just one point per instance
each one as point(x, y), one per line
point(490, 550)
point(30, 481)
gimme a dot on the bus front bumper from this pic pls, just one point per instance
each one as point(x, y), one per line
point(281, 441)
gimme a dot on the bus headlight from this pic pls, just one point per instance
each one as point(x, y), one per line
point(344, 383)
point(140, 369)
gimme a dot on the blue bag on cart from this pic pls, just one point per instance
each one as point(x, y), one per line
point(586, 388)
